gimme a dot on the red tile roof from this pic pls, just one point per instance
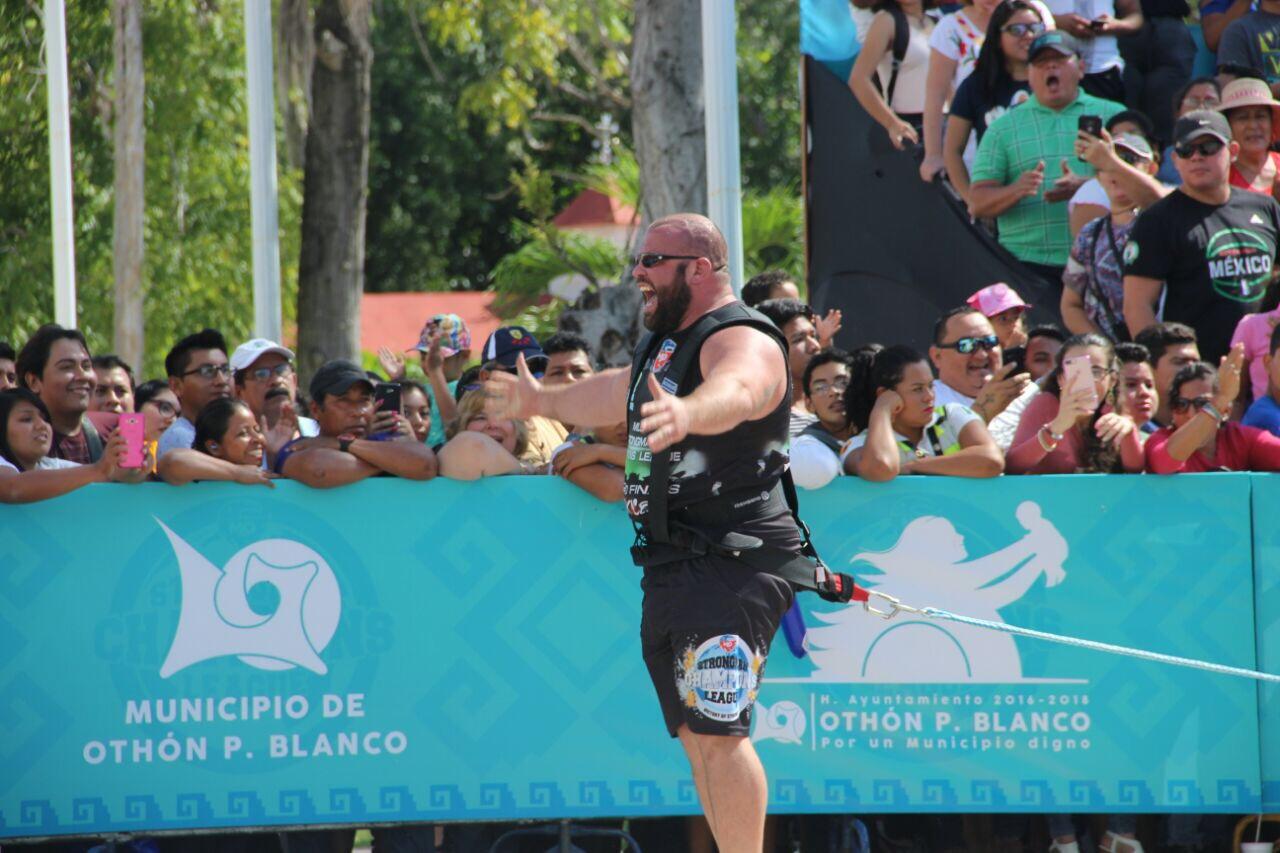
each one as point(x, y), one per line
point(395, 319)
point(594, 208)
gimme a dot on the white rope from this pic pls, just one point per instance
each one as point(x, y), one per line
point(935, 613)
point(895, 607)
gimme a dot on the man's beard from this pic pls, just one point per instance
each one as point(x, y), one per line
point(671, 306)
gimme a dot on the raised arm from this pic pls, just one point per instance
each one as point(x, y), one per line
point(599, 400)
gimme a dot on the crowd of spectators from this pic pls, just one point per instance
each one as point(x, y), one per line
point(238, 415)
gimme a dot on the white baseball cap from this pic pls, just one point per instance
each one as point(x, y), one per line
point(250, 351)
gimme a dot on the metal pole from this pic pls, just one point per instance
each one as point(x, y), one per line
point(720, 90)
point(267, 321)
point(64, 243)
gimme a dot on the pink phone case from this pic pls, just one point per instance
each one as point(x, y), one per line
point(1079, 369)
point(133, 428)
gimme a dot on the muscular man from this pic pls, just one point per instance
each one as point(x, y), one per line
point(707, 401)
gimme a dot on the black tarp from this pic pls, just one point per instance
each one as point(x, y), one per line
point(889, 250)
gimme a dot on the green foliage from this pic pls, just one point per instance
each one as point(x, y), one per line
point(441, 199)
point(198, 268)
point(773, 232)
point(551, 253)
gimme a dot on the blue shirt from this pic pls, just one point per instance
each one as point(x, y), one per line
point(1264, 414)
point(181, 433)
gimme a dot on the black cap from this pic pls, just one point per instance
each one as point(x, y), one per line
point(1198, 123)
point(336, 377)
point(507, 343)
point(1055, 40)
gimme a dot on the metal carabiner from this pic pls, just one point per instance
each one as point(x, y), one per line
point(895, 605)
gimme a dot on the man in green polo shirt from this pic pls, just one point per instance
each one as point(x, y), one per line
point(1026, 169)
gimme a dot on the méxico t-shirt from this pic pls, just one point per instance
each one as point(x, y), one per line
point(1215, 261)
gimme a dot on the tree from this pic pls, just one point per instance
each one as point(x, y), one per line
point(331, 267)
point(130, 174)
point(197, 266)
point(666, 115)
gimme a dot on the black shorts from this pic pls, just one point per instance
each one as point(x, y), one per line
point(705, 630)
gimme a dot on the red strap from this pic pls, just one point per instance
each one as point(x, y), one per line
point(859, 594)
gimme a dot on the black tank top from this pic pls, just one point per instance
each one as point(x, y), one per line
point(717, 483)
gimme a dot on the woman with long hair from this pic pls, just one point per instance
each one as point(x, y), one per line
point(890, 402)
point(895, 99)
point(1073, 429)
point(998, 83)
point(28, 473)
point(953, 50)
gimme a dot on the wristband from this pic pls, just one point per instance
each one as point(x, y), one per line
point(344, 442)
point(1212, 410)
point(1053, 437)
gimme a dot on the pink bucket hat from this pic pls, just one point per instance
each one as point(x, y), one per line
point(996, 299)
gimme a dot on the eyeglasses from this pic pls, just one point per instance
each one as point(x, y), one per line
point(1181, 404)
point(824, 387)
point(1203, 147)
point(1024, 30)
point(1208, 102)
point(1100, 373)
point(209, 371)
point(967, 345)
point(262, 374)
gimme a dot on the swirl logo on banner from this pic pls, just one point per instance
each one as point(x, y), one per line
point(223, 609)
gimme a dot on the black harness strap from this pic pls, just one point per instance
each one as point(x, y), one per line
point(660, 540)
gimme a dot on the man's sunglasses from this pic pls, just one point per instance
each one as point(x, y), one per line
point(1023, 30)
point(1204, 147)
point(649, 260)
point(1181, 404)
point(967, 345)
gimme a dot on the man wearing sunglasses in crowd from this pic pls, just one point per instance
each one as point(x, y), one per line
point(970, 364)
point(1206, 251)
point(265, 379)
point(198, 372)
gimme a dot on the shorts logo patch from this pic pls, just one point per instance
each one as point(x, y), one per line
point(720, 678)
point(663, 357)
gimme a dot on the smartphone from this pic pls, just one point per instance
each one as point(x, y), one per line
point(133, 428)
point(1080, 370)
point(1097, 25)
point(387, 397)
point(1091, 125)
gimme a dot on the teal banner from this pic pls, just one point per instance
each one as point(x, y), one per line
point(1266, 572)
point(218, 655)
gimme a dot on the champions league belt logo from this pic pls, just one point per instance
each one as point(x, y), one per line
point(275, 605)
point(720, 678)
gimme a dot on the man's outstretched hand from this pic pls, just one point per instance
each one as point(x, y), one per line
point(665, 418)
point(514, 397)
